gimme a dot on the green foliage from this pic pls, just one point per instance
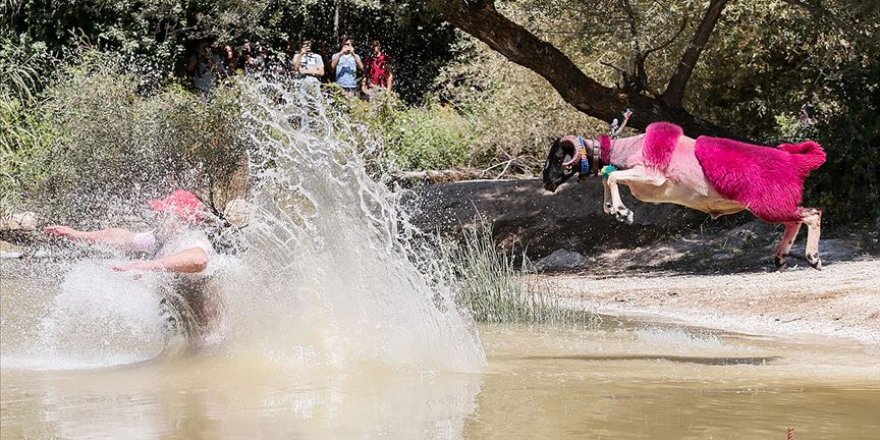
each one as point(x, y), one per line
point(432, 137)
point(157, 37)
point(25, 141)
point(418, 138)
point(94, 142)
point(20, 65)
point(156, 30)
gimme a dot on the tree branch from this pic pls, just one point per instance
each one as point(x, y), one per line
point(584, 93)
point(674, 93)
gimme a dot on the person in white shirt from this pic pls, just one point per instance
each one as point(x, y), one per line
point(176, 247)
point(307, 64)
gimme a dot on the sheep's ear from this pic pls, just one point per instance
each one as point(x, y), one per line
point(554, 144)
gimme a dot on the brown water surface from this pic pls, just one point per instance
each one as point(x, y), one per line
point(635, 381)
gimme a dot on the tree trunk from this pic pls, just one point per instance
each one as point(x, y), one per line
point(481, 20)
point(338, 4)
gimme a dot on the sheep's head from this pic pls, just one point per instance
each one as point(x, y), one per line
point(558, 167)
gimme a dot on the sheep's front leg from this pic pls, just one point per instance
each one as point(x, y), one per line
point(606, 203)
point(636, 175)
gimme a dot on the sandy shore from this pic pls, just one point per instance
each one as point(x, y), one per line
point(843, 300)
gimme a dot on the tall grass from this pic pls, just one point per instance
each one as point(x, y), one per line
point(495, 291)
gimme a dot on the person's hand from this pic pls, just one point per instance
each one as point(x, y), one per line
point(137, 265)
point(305, 49)
point(60, 231)
point(347, 49)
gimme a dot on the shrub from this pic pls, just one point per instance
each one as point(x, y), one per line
point(417, 138)
point(93, 144)
point(25, 141)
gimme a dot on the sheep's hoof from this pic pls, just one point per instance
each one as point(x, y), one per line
point(780, 263)
point(608, 208)
point(623, 215)
point(814, 261)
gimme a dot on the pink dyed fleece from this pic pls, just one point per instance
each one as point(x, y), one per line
point(655, 149)
point(767, 181)
point(661, 138)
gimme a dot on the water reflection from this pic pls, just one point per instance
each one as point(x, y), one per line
point(201, 400)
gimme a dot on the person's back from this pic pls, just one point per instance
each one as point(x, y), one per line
point(178, 248)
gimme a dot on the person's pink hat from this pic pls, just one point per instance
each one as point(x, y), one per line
point(183, 204)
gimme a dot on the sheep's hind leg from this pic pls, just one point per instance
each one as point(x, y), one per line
point(813, 219)
point(791, 231)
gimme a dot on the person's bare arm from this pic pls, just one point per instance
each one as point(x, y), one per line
point(118, 237)
point(192, 260)
point(390, 80)
point(335, 60)
point(360, 64)
point(297, 62)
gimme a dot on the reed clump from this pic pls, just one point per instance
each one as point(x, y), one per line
point(495, 290)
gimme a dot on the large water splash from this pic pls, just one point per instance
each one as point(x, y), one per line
point(330, 274)
point(333, 271)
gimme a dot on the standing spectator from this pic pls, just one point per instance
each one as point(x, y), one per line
point(379, 73)
point(346, 63)
point(203, 66)
point(307, 64)
point(227, 67)
point(253, 58)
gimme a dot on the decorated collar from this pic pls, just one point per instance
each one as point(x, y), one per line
point(590, 158)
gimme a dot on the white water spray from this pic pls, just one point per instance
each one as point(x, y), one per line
point(332, 274)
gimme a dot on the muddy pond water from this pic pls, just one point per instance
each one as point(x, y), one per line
point(616, 380)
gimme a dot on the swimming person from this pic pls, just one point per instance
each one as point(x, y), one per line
point(176, 247)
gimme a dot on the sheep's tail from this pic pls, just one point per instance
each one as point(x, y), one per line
point(811, 154)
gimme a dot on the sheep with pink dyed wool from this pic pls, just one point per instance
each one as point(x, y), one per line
point(713, 175)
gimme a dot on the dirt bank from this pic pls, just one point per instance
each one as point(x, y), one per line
point(843, 300)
